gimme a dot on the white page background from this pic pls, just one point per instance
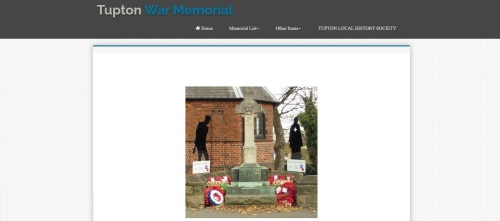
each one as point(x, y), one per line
point(364, 124)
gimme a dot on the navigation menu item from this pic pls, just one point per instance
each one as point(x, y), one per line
point(287, 28)
point(243, 28)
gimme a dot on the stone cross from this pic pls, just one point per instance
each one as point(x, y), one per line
point(248, 109)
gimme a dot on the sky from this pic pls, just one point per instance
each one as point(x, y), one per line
point(277, 91)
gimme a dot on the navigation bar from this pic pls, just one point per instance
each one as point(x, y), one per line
point(248, 19)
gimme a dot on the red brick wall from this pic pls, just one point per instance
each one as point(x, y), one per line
point(225, 134)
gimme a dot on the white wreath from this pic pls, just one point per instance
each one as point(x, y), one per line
point(216, 197)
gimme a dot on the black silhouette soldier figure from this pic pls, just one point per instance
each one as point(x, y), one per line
point(295, 139)
point(201, 138)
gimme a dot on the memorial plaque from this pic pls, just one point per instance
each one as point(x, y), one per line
point(296, 165)
point(250, 174)
point(201, 167)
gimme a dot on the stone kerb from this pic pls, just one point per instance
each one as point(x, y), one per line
point(195, 189)
point(307, 191)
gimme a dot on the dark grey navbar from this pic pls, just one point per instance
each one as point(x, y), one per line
point(249, 19)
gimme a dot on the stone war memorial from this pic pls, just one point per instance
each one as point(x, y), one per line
point(250, 178)
point(240, 148)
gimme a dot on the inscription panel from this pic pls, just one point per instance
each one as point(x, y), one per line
point(249, 174)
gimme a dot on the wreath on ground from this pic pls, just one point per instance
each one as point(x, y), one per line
point(214, 196)
point(285, 194)
point(285, 189)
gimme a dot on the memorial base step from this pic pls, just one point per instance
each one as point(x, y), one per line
point(242, 199)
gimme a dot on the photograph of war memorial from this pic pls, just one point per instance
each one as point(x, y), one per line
point(251, 151)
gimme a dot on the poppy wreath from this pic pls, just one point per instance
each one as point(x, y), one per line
point(279, 179)
point(219, 181)
point(285, 200)
point(214, 196)
point(285, 194)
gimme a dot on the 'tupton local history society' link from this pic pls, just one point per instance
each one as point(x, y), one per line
point(357, 28)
